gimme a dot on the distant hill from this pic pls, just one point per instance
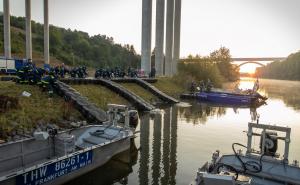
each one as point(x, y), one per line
point(71, 47)
point(288, 69)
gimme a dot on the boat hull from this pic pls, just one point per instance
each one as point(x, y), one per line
point(100, 155)
point(273, 171)
point(227, 98)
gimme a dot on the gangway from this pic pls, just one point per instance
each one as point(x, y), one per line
point(136, 100)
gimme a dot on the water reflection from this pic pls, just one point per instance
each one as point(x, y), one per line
point(254, 115)
point(116, 170)
point(200, 112)
point(156, 152)
point(171, 149)
point(144, 152)
point(288, 91)
point(164, 148)
point(177, 148)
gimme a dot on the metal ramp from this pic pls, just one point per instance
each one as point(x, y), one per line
point(88, 109)
point(132, 80)
point(136, 100)
point(145, 83)
point(163, 96)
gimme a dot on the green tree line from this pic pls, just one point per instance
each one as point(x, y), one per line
point(288, 69)
point(216, 67)
point(71, 47)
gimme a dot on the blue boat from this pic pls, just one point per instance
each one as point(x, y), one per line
point(205, 93)
point(230, 98)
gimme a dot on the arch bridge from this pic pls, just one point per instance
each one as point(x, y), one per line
point(258, 61)
point(251, 62)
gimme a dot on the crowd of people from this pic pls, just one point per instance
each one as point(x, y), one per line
point(78, 72)
point(46, 77)
point(30, 74)
point(116, 72)
point(202, 86)
point(109, 73)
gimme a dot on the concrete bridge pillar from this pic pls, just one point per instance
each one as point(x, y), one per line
point(159, 37)
point(177, 25)
point(46, 32)
point(169, 37)
point(6, 22)
point(28, 29)
point(146, 35)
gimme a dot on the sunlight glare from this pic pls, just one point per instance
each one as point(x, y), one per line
point(248, 68)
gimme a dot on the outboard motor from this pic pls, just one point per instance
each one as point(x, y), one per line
point(270, 143)
point(133, 118)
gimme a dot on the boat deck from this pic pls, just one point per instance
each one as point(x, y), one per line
point(78, 140)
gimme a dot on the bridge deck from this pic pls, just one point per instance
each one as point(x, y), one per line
point(136, 100)
point(257, 59)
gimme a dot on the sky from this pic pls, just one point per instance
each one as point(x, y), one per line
point(249, 28)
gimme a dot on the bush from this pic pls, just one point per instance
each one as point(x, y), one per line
point(201, 69)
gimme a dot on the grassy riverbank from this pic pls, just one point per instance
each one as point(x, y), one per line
point(170, 86)
point(100, 95)
point(140, 91)
point(38, 109)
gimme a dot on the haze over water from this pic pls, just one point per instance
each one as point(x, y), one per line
point(173, 145)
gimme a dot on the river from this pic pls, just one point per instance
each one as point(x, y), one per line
point(174, 144)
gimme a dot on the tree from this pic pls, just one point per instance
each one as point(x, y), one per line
point(288, 69)
point(66, 45)
point(222, 58)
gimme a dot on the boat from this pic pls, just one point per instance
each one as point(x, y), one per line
point(248, 97)
point(57, 157)
point(227, 98)
point(231, 98)
point(263, 166)
point(121, 166)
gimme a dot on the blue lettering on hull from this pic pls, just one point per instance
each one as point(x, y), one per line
point(54, 170)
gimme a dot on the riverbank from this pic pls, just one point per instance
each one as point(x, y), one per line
point(100, 95)
point(39, 110)
point(21, 114)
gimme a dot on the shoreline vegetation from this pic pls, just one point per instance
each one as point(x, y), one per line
point(33, 112)
point(216, 67)
point(289, 69)
point(71, 47)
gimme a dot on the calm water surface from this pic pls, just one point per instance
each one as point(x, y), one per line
point(173, 144)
